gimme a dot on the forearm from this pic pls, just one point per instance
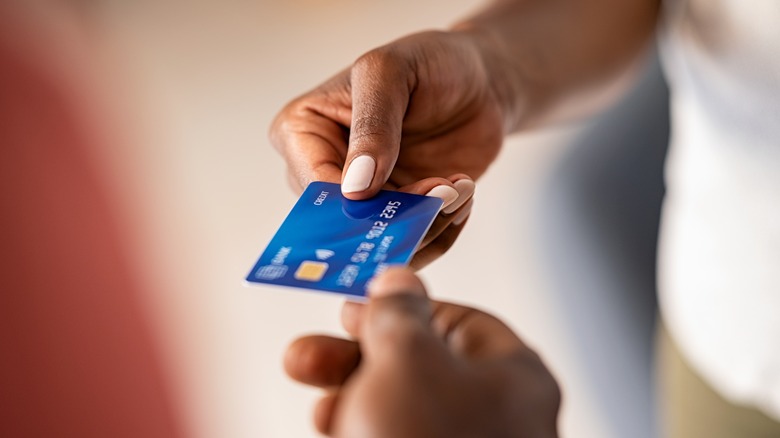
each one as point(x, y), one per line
point(548, 56)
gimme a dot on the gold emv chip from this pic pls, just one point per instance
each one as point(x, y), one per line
point(311, 271)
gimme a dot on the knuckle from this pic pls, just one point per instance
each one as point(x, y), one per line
point(382, 65)
point(282, 126)
point(405, 338)
point(381, 59)
point(295, 180)
point(400, 321)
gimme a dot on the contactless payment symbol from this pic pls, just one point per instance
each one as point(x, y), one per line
point(324, 254)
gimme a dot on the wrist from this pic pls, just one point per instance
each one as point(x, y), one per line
point(518, 93)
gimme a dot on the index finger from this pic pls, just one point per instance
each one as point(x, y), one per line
point(311, 158)
point(311, 134)
point(473, 333)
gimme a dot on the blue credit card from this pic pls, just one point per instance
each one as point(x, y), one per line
point(333, 244)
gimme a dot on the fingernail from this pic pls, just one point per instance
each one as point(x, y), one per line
point(445, 193)
point(465, 188)
point(359, 174)
point(462, 216)
point(395, 281)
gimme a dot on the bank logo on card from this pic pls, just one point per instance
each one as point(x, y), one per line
point(334, 244)
point(271, 272)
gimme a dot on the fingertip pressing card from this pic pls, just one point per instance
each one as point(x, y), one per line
point(333, 244)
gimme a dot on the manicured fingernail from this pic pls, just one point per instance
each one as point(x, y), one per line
point(445, 193)
point(465, 188)
point(462, 216)
point(359, 174)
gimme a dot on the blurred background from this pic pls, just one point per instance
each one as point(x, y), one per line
point(560, 243)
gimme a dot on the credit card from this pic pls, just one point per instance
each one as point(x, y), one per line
point(330, 243)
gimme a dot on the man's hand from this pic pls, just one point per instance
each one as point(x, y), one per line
point(424, 369)
point(417, 114)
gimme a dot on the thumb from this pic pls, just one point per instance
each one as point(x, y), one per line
point(397, 318)
point(381, 84)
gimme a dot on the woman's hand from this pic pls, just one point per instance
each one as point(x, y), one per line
point(415, 114)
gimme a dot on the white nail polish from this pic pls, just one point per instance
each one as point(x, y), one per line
point(445, 193)
point(465, 188)
point(359, 175)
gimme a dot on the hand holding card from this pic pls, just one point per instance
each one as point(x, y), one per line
point(333, 244)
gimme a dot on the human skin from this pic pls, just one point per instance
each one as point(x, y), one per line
point(432, 109)
point(418, 368)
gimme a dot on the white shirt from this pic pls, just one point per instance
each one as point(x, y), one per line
point(720, 236)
